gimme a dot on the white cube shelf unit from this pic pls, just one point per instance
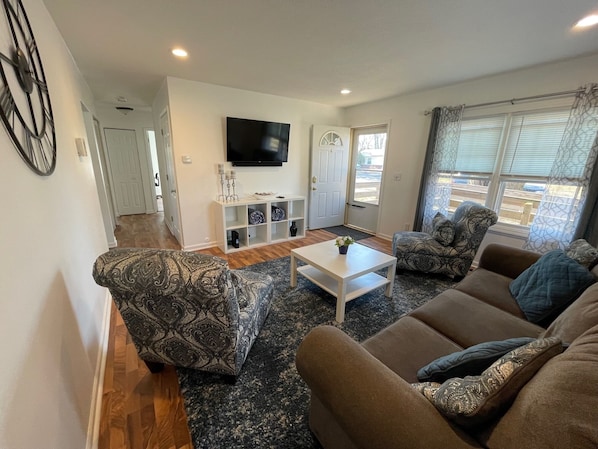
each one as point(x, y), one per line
point(234, 216)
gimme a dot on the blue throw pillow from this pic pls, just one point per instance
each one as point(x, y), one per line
point(469, 362)
point(548, 286)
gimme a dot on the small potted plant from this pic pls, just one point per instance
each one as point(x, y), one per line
point(343, 243)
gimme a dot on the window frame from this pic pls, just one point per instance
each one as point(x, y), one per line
point(497, 181)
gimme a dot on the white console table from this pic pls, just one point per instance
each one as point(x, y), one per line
point(234, 216)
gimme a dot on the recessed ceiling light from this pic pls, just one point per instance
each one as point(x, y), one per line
point(179, 52)
point(587, 21)
point(345, 91)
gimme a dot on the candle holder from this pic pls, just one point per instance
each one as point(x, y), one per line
point(230, 182)
point(221, 196)
point(233, 177)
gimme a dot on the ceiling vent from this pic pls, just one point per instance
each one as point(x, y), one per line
point(124, 109)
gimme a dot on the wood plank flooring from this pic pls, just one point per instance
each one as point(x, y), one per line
point(141, 410)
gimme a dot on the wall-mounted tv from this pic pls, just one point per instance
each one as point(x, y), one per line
point(252, 143)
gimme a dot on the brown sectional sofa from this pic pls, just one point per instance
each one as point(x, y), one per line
point(361, 395)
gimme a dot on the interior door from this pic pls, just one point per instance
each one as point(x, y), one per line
point(169, 187)
point(126, 171)
point(368, 151)
point(328, 180)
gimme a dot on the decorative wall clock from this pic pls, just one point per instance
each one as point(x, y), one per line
point(24, 98)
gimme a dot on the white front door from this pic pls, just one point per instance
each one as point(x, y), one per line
point(126, 171)
point(328, 180)
point(367, 167)
point(169, 189)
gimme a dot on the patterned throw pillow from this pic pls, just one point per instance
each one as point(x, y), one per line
point(582, 252)
point(443, 229)
point(473, 400)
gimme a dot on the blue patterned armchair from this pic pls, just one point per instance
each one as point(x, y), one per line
point(186, 309)
point(437, 253)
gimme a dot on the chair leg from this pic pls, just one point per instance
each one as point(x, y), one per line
point(154, 367)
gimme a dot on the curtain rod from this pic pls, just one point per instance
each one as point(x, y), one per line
point(513, 100)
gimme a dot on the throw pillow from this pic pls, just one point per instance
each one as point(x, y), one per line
point(582, 252)
point(548, 286)
point(474, 400)
point(443, 229)
point(469, 362)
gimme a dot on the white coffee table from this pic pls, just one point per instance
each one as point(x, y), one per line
point(345, 276)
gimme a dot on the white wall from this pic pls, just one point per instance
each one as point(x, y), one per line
point(51, 312)
point(198, 114)
point(409, 127)
point(137, 120)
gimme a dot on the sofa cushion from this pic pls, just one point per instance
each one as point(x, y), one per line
point(557, 408)
point(468, 321)
point(443, 229)
point(407, 345)
point(491, 288)
point(473, 400)
point(577, 318)
point(471, 361)
point(582, 252)
point(549, 285)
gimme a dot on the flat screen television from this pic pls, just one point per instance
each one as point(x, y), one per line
point(252, 143)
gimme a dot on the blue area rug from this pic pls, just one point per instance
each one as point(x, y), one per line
point(267, 407)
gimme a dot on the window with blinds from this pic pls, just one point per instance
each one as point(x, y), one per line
point(503, 161)
point(533, 142)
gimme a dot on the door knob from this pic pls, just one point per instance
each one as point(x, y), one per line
point(314, 180)
point(313, 188)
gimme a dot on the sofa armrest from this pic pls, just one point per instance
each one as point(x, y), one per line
point(374, 406)
point(509, 261)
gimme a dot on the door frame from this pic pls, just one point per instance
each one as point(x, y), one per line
point(167, 167)
point(350, 178)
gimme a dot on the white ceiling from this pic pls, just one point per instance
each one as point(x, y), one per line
point(311, 49)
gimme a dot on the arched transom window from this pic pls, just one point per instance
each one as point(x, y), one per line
point(331, 138)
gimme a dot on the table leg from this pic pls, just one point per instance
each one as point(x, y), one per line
point(340, 301)
point(293, 271)
point(390, 275)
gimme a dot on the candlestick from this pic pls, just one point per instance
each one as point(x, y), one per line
point(220, 168)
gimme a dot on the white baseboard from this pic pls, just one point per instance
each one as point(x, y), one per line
point(199, 246)
point(384, 236)
point(95, 413)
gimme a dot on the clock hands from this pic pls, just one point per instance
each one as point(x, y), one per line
point(25, 110)
point(7, 59)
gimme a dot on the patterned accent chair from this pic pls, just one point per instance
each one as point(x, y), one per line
point(419, 251)
point(186, 309)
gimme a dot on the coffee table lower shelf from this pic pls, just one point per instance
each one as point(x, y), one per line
point(354, 288)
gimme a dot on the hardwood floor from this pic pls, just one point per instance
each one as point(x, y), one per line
point(142, 410)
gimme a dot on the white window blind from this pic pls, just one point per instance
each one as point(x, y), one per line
point(534, 140)
point(479, 144)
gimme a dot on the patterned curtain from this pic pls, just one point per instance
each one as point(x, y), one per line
point(441, 157)
point(567, 188)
